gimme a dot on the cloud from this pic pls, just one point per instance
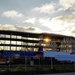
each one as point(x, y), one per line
point(12, 14)
point(30, 20)
point(73, 13)
point(66, 6)
point(24, 29)
point(65, 9)
point(47, 8)
point(7, 27)
point(65, 23)
point(67, 3)
point(44, 20)
point(68, 18)
point(73, 31)
point(19, 28)
point(53, 24)
point(34, 29)
point(60, 25)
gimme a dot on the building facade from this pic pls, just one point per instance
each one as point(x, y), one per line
point(25, 41)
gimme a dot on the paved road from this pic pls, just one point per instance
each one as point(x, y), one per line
point(59, 74)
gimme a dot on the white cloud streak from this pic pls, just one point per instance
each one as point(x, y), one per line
point(47, 8)
point(13, 14)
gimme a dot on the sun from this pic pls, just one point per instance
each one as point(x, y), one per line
point(46, 40)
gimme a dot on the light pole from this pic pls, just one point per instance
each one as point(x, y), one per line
point(25, 62)
point(47, 41)
point(40, 48)
point(51, 64)
point(10, 52)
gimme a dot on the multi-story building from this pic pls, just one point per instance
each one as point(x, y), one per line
point(25, 41)
point(59, 43)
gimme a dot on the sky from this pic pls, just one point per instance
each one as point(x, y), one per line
point(47, 16)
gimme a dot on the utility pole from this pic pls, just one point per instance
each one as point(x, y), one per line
point(51, 64)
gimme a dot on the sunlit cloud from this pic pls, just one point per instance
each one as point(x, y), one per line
point(7, 27)
point(68, 18)
point(60, 25)
point(53, 24)
point(48, 8)
point(30, 20)
point(67, 3)
point(20, 28)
